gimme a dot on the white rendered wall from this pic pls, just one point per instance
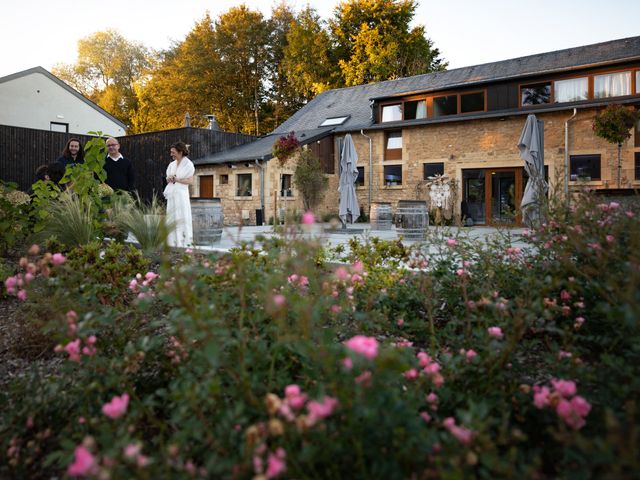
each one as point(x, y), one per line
point(34, 100)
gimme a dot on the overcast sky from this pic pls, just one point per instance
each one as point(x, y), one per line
point(467, 32)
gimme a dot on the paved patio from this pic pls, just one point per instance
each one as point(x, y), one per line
point(233, 236)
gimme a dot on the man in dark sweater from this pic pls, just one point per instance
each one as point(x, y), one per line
point(119, 169)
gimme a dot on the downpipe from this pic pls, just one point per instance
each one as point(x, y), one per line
point(566, 154)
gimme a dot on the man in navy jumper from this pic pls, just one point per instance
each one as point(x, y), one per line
point(119, 169)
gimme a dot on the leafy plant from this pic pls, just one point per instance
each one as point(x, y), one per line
point(309, 179)
point(71, 220)
point(14, 224)
point(284, 147)
point(614, 124)
point(147, 222)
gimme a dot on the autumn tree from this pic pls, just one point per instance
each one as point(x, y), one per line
point(308, 56)
point(183, 81)
point(374, 42)
point(240, 91)
point(108, 69)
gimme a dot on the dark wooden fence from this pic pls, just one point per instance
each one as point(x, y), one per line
point(22, 150)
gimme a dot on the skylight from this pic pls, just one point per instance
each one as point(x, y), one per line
point(334, 121)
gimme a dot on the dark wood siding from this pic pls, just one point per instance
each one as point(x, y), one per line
point(323, 149)
point(502, 97)
point(22, 150)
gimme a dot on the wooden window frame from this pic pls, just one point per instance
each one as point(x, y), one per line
point(400, 103)
point(536, 82)
point(392, 154)
point(632, 86)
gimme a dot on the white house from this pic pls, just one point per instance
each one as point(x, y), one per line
point(35, 98)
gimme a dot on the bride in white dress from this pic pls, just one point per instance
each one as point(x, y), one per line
point(179, 177)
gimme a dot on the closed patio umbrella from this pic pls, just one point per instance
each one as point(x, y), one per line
point(531, 146)
point(349, 209)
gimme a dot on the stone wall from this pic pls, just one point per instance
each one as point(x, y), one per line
point(489, 143)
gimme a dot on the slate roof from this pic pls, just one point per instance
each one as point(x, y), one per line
point(261, 148)
point(356, 102)
point(69, 89)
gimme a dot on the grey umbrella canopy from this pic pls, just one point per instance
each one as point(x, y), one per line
point(349, 209)
point(531, 146)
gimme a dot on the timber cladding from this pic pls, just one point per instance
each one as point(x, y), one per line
point(22, 150)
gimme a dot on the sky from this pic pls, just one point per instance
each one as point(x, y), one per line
point(467, 32)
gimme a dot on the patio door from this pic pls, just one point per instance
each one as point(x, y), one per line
point(503, 193)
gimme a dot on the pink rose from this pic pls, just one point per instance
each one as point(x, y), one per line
point(84, 464)
point(276, 464)
point(495, 332)
point(117, 407)
point(566, 388)
point(58, 259)
point(365, 346)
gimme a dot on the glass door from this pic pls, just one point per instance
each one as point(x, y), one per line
point(504, 193)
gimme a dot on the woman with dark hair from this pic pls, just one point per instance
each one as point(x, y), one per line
point(72, 154)
point(55, 171)
point(179, 176)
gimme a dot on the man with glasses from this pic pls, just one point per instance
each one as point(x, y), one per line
point(119, 169)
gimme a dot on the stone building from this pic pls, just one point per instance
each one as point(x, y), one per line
point(462, 123)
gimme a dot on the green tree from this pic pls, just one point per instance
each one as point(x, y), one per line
point(374, 42)
point(308, 56)
point(107, 71)
point(309, 178)
point(614, 124)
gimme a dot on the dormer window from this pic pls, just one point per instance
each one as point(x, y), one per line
point(612, 85)
point(446, 105)
point(535, 94)
point(334, 121)
point(571, 90)
point(392, 113)
point(414, 110)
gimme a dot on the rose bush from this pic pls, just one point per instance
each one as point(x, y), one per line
point(477, 361)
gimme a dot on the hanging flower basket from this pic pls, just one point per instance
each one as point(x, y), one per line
point(285, 147)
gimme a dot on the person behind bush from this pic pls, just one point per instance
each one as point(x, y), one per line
point(72, 154)
point(42, 173)
point(55, 172)
point(119, 169)
point(179, 177)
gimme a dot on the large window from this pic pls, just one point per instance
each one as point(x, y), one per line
point(584, 167)
point(415, 109)
point(285, 186)
point(243, 185)
point(535, 94)
point(612, 85)
point(571, 90)
point(432, 169)
point(392, 113)
point(392, 175)
point(447, 105)
point(637, 176)
point(637, 134)
point(638, 81)
point(393, 146)
point(473, 202)
point(360, 179)
point(472, 102)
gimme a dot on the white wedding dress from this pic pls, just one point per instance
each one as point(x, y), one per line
point(178, 204)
